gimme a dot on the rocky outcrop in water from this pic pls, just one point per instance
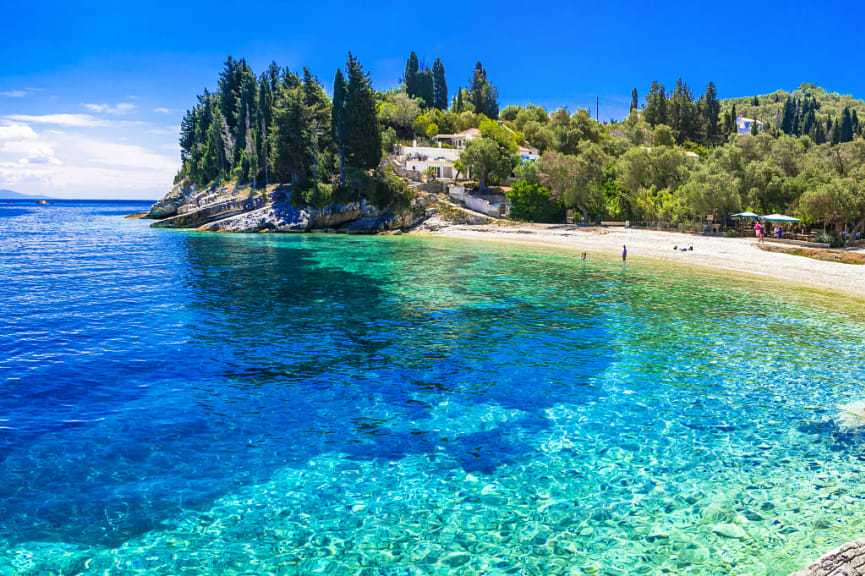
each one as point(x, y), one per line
point(846, 560)
point(242, 209)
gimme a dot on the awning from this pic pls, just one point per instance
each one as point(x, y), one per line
point(744, 215)
point(779, 218)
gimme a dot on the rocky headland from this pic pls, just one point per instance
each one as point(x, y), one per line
point(232, 208)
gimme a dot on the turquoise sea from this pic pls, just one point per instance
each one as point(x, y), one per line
point(185, 403)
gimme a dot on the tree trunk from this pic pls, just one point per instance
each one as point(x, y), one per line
point(585, 213)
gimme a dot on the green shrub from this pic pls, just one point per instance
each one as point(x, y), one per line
point(731, 234)
point(832, 238)
point(318, 196)
point(533, 203)
point(382, 189)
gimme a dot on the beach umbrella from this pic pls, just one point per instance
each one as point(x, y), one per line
point(779, 218)
point(744, 215)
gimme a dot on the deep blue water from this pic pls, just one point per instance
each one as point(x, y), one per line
point(178, 401)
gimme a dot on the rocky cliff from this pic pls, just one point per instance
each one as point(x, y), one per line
point(241, 209)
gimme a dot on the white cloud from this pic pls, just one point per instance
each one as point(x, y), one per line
point(72, 120)
point(170, 131)
point(20, 93)
point(121, 108)
point(17, 132)
point(71, 164)
point(163, 110)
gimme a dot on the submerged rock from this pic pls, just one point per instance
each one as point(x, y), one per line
point(730, 531)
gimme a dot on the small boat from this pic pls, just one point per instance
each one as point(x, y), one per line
point(42, 202)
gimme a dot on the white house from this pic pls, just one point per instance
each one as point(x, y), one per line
point(459, 139)
point(743, 125)
point(422, 158)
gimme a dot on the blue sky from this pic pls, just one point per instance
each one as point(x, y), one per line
point(91, 93)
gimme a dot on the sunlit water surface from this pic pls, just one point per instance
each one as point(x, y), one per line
point(176, 402)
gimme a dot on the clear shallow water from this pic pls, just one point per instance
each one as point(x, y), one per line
point(175, 402)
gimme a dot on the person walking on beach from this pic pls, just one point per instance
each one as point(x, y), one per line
point(624, 253)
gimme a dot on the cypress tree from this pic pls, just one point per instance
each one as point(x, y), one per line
point(482, 94)
point(362, 140)
point(411, 79)
point(635, 103)
point(426, 88)
point(788, 116)
point(711, 113)
point(833, 132)
point(459, 105)
point(337, 121)
point(440, 99)
point(731, 127)
point(846, 129)
point(855, 120)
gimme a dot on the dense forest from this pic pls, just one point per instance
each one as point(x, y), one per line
point(675, 159)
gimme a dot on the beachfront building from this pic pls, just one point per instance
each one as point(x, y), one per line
point(743, 125)
point(422, 159)
point(440, 160)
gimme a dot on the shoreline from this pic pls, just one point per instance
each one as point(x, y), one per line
point(740, 256)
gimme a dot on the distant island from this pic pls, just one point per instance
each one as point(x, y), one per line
point(12, 195)
point(275, 152)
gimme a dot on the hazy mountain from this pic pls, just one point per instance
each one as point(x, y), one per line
point(12, 195)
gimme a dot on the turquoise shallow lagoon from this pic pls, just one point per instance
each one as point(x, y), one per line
point(176, 402)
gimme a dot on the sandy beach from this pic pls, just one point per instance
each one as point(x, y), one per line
point(736, 255)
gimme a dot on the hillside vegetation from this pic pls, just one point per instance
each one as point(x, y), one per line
point(676, 159)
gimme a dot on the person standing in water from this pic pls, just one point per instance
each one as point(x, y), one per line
point(624, 253)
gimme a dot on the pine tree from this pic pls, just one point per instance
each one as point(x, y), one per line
point(440, 99)
point(228, 90)
point(411, 73)
point(655, 111)
point(635, 102)
point(337, 121)
point(362, 140)
point(315, 99)
point(213, 161)
point(292, 139)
